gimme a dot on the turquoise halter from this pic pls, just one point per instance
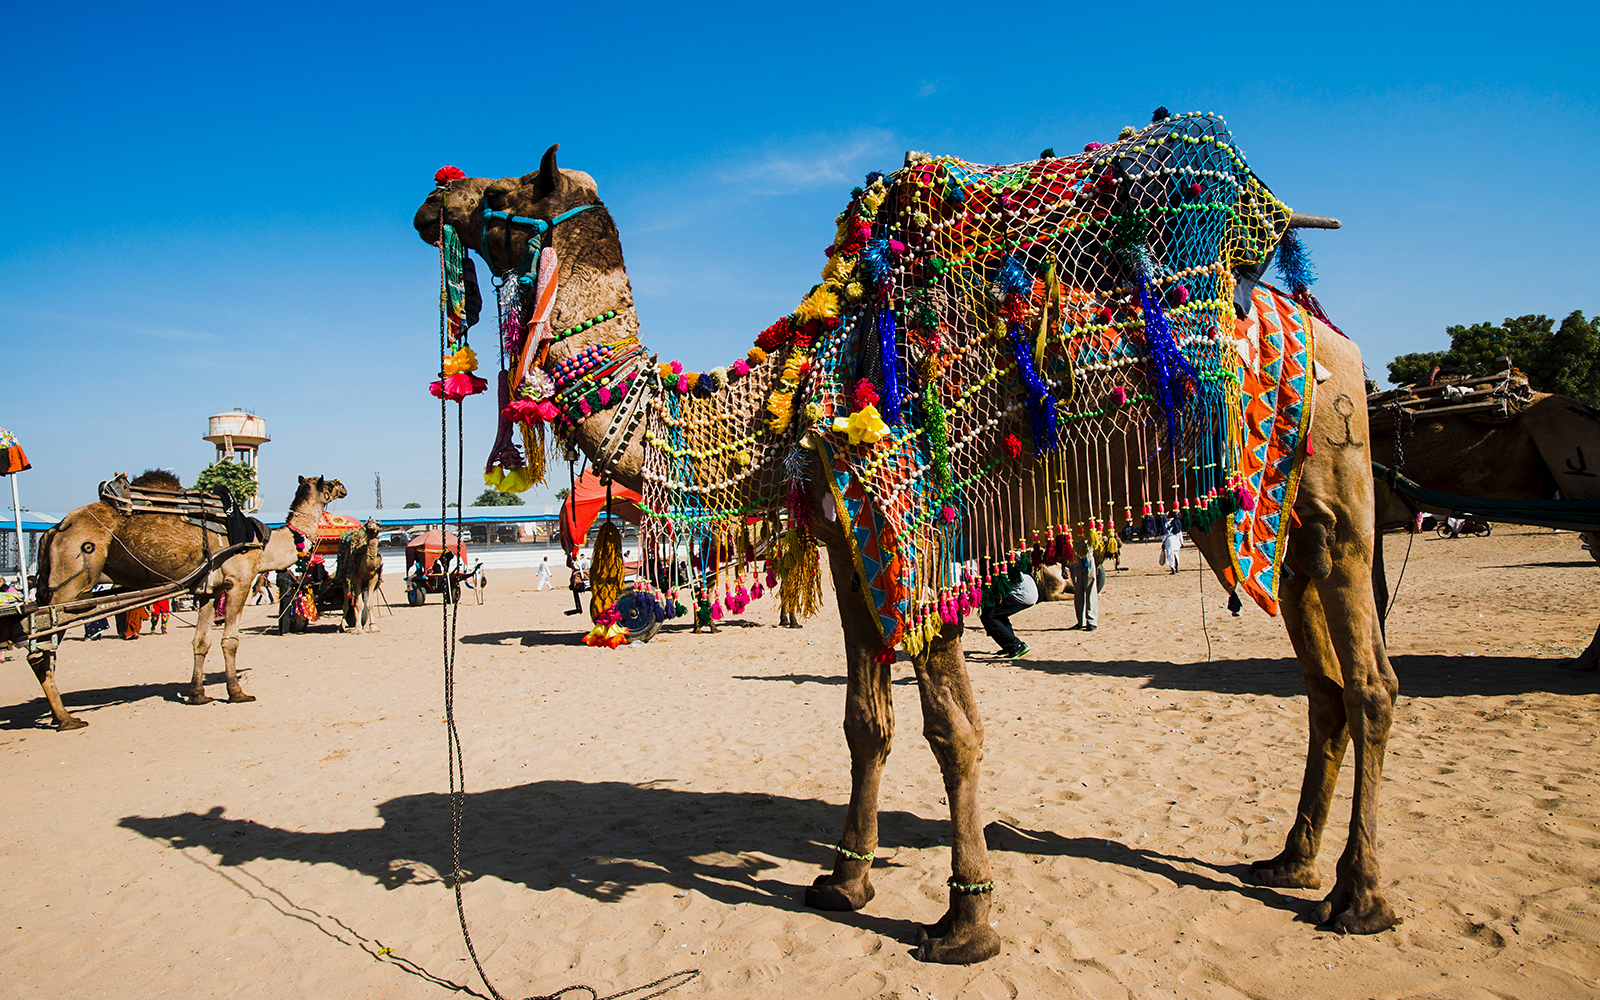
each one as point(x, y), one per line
point(542, 227)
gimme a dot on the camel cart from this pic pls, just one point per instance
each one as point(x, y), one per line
point(26, 622)
point(436, 563)
point(326, 589)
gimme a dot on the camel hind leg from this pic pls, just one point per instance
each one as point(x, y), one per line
point(204, 611)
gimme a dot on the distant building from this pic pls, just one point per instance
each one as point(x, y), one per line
point(239, 435)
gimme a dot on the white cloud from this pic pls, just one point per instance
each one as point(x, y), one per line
point(785, 172)
point(928, 88)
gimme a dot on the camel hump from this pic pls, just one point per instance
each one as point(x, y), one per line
point(159, 479)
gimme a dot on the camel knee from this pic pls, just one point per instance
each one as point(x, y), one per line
point(230, 645)
point(956, 744)
point(868, 735)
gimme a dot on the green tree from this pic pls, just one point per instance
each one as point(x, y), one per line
point(1564, 359)
point(494, 498)
point(239, 479)
point(412, 506)
point(563, 493)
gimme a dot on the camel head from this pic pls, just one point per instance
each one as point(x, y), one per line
point(317, 490)
point(462, 205)
point(544, 194)
point(372, 528)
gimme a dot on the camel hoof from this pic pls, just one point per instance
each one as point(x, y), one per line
point(1374, 916)
point(239, 696)
point(823, 895)
point(70, 723)
point(200, 698)
point(1278, 874)
point(971, 949)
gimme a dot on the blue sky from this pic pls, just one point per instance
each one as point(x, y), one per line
point(211, 205)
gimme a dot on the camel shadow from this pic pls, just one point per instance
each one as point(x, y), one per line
point(724, 845)
point(525, 637)
point(1421, 676)
point(834, 679)
point(28, 714)
point(1002, 836)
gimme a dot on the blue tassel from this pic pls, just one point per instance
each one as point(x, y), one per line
point(889, 355)
point(876, 264)
point(1294, 264)
point(1177, 383)
point(1011, 278)
point(1042, 414)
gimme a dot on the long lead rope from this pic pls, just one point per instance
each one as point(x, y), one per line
point(453, 749)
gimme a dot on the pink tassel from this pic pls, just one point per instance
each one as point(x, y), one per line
point(716, 611)
point(756, 591)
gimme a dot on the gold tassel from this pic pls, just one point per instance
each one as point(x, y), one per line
point(533, 445)
point(799, 577)
point(605, 576)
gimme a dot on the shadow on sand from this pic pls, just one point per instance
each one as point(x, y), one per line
point(35, 712)
point(1420, 676)
point(724, 845)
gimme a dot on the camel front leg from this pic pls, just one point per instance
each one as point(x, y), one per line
point(230, 646)
point(43, 662)
point(954, 730)
point(868, 729)
point(203, 613)
point(1356, 905)
point(1303, 615)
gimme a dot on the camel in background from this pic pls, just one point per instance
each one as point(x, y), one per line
point(147, 550)
point(1327, 598)
point(360, 573)
point(1551, 446)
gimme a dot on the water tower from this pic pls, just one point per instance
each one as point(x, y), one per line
point(239, 436)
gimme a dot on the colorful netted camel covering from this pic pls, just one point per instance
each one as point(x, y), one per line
point(999, 364)
point(986, 340)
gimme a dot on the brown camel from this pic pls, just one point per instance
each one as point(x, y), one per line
point(147, 550)
point(1327, 596)
point(1552, 445)
point(360, 572)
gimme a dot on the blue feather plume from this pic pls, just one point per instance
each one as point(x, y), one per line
point(876, 264)
point(1294, 263)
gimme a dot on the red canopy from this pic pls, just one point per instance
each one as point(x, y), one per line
point(587, 501)
point(330, 528)
point(431, 544)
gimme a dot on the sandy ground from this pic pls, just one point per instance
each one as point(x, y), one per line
point(661, 807)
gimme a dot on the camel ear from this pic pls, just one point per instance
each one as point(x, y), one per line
point(548, 177)
point(302, 480)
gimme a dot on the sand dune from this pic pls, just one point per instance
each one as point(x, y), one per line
point(660, 807)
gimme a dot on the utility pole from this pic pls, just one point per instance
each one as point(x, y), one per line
point(377, 480)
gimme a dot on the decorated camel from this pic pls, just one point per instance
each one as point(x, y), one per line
point(360, 572)
point(1532, 446)
point(997, 362)
point(145, 549)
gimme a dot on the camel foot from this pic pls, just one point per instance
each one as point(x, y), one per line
point(961, 937)
point(198, 696)
point(1284, 873)
point(239, 696)
point(847, 895)
point(1365, 912)
point(70, 723)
